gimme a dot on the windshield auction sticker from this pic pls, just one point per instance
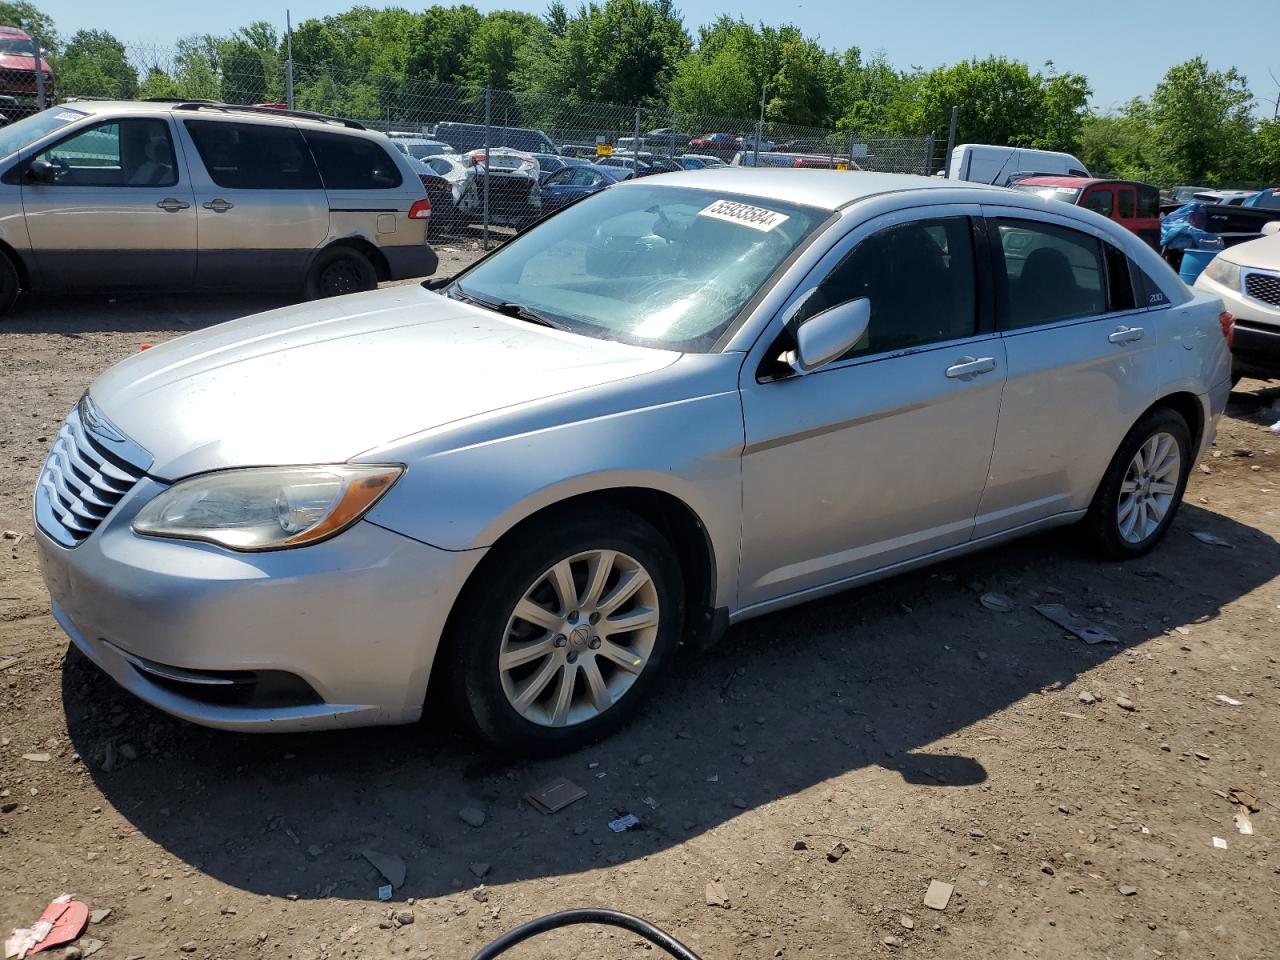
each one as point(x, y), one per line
point(744, 214)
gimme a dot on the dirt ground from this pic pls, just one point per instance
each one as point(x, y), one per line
point(1069, 792)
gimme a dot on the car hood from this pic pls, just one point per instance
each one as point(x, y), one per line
point(322, 382)
point(1263, 253)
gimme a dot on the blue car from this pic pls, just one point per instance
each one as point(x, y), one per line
point(573, 183)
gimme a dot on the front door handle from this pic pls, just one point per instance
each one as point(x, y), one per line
point(1123, 334)
point(218, 205)
point(172, 204)
point(966, 368)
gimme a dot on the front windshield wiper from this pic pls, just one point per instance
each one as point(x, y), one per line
point(507, 309)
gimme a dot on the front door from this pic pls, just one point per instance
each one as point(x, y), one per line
point(882, 455)
point(1082, 366)
point(119, 211)
point(261, 207)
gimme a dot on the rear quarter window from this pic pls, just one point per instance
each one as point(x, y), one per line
point(352, 163)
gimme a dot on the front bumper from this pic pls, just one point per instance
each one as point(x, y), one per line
point(1255, 341)
point(357, 618)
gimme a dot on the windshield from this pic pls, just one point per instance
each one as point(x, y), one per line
point(1065, 194)
point(30, 129)
point(423, 150)
point(659, 266)
point(1185, 194)
point(17, 47)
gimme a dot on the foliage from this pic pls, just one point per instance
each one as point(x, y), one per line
point(96, 64)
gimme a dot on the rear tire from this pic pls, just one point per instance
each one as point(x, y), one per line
point(1142, 489)
point(10, 285)
point(338, 271)
point(569, 676)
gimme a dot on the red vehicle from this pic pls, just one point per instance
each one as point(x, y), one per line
point(18, 71)
point(1133, 205)
point(723, 142)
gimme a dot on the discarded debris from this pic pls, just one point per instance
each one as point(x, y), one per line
point(938, 895)
point(624, 823)
point(1072, 622)
point(717, 895)
point(1244, 798)
point(1229, 701)
point(1218, 843)
point(62, 921)
point(1209, 538)
point(472, 816)
point(37, 757)
point(8, 660)
point(1243, 824)
point(384, 892)
point(997, 602)
point(556, 795)
point(388, 864)
point(1127, 890)
point(836, 852)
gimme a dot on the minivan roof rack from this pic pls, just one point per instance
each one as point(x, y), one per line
point(265, 111)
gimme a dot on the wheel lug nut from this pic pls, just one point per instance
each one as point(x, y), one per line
point(572, 656)
point(595, 617)
point(560, 640)
point(573, 616)
point(595, 643)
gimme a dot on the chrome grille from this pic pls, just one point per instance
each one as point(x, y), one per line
point(1264, 287)
point(88, 472)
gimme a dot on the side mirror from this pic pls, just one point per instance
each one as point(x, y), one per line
point(830, 334)
point(42, 171)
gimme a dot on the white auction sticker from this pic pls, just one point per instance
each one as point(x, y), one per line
point(757, 218)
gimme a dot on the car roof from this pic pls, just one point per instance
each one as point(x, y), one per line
point(1061, 181)
point(829, 189)
point(215, 111)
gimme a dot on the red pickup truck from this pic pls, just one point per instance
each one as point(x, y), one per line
point(18, 73)
point(1133, 205)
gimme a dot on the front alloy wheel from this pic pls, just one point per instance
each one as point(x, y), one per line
point(563, 630)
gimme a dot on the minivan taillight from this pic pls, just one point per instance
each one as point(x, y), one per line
point(420, 210)
point(1228, 324)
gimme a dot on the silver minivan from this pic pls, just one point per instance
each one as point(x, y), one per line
point(98, 194)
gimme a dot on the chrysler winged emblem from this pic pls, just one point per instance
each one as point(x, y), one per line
point(96, 423)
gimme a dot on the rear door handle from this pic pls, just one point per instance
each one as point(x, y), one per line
point(966, 368)
point(1124, 334)
point(218, 205)
point(172, 204)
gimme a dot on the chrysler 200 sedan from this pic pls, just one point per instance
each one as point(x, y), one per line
point(678, 404)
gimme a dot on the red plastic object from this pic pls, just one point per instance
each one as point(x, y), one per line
point(69, 918)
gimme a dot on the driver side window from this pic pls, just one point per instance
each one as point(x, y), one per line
point(123, 153)
point(920, 279)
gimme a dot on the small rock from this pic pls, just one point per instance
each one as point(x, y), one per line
point(1124, 703)
point(740, 803)
point(1201, 755)
point(480, 869)
point(1126, 890)
point(717, 896)
point(1064, 809)
point(646, 759)
point(37, 757)
point(71, 953)
point(938, 895)
point(977, 834)
point(388, 864)
point(89, 946)
point(314, 851)
point(1087, 698)
point(472, 816)
point(188, 947)
point(10, 535)
point(907, 922)
point(892, 941)
point(1047, 868)
point(97, 916)
point(800, 845)
point(128, 751)
point(405, 917)
point(836, 852)
point(997, 602)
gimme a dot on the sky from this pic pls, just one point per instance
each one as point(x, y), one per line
point(1122, 46)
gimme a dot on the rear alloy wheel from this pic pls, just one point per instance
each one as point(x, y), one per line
point(339, 271)
point(1143, 486)
point(562, 633)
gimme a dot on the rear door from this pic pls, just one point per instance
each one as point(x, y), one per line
point(119, 211)
point(261, 209)
point(1082, 365)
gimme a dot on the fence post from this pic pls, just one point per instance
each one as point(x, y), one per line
point(488, 108)
point(851, 138)
point(635, 143)
point(928, 155)
point(288, 62)
point(41, 98)
point(951, 140)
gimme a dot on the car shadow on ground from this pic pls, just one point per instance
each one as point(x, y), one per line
point(872, 677)
point(75, 315)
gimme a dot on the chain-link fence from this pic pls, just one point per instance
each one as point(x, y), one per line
point(483, 126)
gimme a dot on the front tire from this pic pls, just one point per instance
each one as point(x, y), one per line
point(1142, 488)
point(563, 631)
point(338, 271)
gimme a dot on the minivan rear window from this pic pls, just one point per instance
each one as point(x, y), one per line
point(254, 156)
point(352, 163)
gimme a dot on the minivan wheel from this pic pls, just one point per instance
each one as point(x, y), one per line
point(1143, 487)
point(563, 632)
point(9, 285)
point(338, 271)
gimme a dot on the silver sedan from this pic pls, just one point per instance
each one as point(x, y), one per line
point(678, 404)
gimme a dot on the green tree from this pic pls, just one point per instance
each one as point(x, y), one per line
point(496, 45)
point(1202, 124)
point(95, 64)
point(439, 50)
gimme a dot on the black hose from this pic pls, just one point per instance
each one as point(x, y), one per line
point(600, 915)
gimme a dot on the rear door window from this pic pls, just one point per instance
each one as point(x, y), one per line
point(254, 156)
point(1049, 274)
point(352, 163)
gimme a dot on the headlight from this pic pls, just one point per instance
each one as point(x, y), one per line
point(1224, 272)
point(266, 508)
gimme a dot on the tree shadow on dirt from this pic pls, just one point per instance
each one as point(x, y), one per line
point(880, 676)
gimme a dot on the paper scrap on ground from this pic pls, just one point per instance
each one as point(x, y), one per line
point(624, 823)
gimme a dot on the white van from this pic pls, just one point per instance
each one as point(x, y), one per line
point(983, 163)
